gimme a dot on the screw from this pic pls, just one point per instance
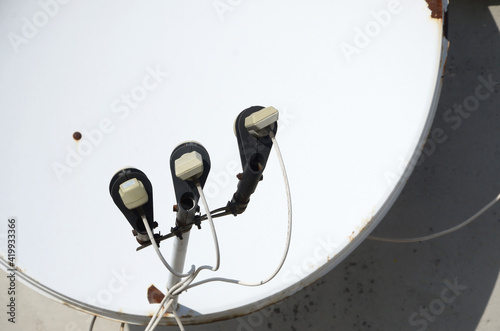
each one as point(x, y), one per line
point(239, 176)
point(176, 208)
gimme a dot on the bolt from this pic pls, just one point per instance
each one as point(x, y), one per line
point(239, 176)
point(176, 208)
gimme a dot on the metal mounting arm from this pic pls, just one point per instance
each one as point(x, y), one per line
point(254, 153)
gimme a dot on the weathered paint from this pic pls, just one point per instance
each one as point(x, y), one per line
point(155, 295)
point(436, 7)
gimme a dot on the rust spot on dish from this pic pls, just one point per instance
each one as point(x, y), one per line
point(361, 228)
point(352, 236)
point(155, 295)
point(77, 135)
point(436, 7)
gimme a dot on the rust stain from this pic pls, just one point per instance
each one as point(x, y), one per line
point(352, 236)
point(155, 295)
point(361, 228)
point(77, 135)
point(436, 7)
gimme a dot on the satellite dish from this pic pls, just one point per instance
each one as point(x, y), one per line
point(89, 89)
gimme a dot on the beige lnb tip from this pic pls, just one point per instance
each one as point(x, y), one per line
point(133, 193)
point(189, 165)
point(258, 123)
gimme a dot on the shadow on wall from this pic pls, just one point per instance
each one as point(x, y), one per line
point(444, 284)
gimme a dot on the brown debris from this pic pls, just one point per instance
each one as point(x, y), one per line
point(155, 295)
point(436, 7)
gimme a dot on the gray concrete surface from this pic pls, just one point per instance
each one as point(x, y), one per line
point(385, 286)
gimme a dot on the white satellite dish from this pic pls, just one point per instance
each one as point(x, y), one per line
point(88, 89)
